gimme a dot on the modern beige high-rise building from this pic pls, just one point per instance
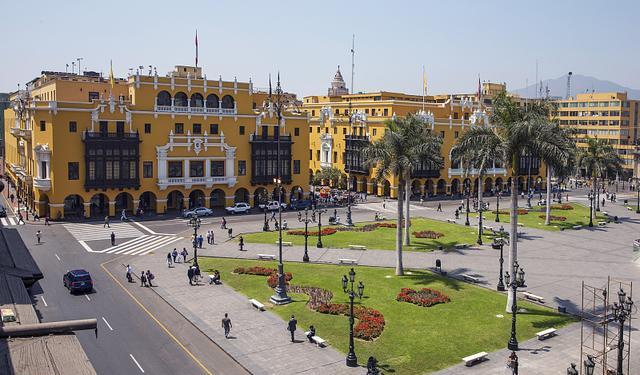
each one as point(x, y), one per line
point(610, 116)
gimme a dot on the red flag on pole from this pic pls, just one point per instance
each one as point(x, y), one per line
point(196, 47)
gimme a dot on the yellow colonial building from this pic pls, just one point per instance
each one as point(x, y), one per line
point(342, 124)
point(610, 116)
point(82, 145)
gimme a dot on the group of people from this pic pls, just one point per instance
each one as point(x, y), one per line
point(172, 256)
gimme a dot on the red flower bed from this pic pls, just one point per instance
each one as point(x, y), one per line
point(325, 232)
point(371, 322)
point(425, 297)
point(273, 279)
point(564, 206)
point(521, 211)
point(553, 218)
point(257, 270)
point(428, 234)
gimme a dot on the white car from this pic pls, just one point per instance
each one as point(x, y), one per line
point(239, 208)
point(198, 212)
point(272, 206)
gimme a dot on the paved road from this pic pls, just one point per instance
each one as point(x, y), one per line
point(137, 331)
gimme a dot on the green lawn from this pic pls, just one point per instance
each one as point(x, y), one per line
point(415, 339)
point(381, 238)
point(578, 216)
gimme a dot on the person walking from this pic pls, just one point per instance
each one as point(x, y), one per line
point(174, 254)
point(113, 239)
point(123, 215)
point(150, 277)
point(213, 242)
point(226, 325)
point(241, 243)
point(184, 254)
point(209, 237)
point(38, 234)
point(46, 221)
point(20, 219)
point(190, 275)
point(200, 241)
point(291, 327)
point(143, 279)
point(223, 225)
point(439, 207)
point(230, 232)
point(384, 203)
point(169, 260)
point(106, 222)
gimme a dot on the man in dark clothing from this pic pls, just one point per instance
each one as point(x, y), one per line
point(439, 207)
point(150, 277)
point(190, 275)
point(174, 254)
point(230, 231)
point(184, 254)
point(226, 324)
point(113, 239)
point(143, 279)
point(292, 326)
point(311, 333)
point(241, 243)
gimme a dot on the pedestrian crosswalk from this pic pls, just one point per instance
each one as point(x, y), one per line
point(94, 232)
point(141, 245)
point(10, 221)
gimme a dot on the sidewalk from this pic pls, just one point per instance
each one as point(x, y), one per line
point(259, 340)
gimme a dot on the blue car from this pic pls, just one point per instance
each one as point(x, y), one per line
point(300, 205)
point(78, 281)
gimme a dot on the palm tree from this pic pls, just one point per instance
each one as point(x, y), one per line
point(479, 159)
point(405, 143)
point(597, 158)
point(514, 131)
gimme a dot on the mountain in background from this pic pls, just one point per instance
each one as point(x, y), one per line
point(579, 84)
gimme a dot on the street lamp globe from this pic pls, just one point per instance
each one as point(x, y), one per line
point(360, 289)
point(507, 278)
point(589, 365)
point(344, 283)
point(352, 275)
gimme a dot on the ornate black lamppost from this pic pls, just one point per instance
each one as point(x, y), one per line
point(195, 222)
point(319, 211)
point(590, 195)
point(621, 312)
point(277, 103)
point(306, 221)
point(352, 361)
point(515, 282)
point(498, 193)
point(498, 243)
point(467, 210)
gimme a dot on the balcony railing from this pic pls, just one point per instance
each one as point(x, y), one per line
point(259, 138)
point(42, 184)
point(106, 135)
point(196, 110)
point(490, 171)
point(195, 180)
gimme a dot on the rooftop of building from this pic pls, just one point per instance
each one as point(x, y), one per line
point(595, 96)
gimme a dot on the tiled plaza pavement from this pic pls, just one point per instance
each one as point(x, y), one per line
point(555, 262)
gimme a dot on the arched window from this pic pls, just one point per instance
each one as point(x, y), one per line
point(212, 101)
point(197, 100)
point(227, 101)
point(164, 98)
point(180, 100)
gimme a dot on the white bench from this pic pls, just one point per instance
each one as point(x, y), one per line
point(533, 297)
point(318, 340)
point(546, 333)
point(475, 358)
point(266, 257)
point(473, 279)
point(285, 243)
point(358, 247)
point(453, 221)
point(605, 213)
point(577, 227)
point(602, 223)
point(488, 228)
point(520, 225)
point(257, 304)
point(347, 261)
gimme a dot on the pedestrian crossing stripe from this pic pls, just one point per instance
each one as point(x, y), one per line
point(137, 246)
point(8, 221)
point(94, 232)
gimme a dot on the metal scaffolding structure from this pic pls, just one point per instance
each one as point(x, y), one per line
point(599, 335)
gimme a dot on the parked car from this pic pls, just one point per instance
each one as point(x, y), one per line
point(300, 204)
point(3, 211)
point(197, 212)
point(239, 208)
point(77, 281)
point(272, 206)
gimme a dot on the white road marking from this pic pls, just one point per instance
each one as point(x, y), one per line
point(57, 257)
point(164, 241)
point(136, 362)
point(4, 221)
point(11, 222)
point(107, 323)
point(86, 247)
point(43, 301)
point(149, 230)
point(88, 299)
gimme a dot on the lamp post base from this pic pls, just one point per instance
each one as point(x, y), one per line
point(500, 287)
point(352, 361)
point(305, 257)
point(513, 344)
point(319, 245)
point(280, 299)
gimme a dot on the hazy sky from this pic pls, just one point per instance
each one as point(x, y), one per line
point(306, 40)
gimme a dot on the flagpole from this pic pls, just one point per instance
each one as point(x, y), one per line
point(196, 48)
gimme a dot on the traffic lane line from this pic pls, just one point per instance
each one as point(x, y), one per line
point(162, 326)
point(57, 257)
point(88, 299)
point(136, 362)
point(43, 301)
point(107, 323)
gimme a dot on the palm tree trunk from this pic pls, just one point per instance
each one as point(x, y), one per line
point(399, 267)
point(513, 228)
point(547, 219)
point(407, 216)
point(480, 186)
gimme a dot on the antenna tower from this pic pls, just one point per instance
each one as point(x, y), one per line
point(569, 85)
